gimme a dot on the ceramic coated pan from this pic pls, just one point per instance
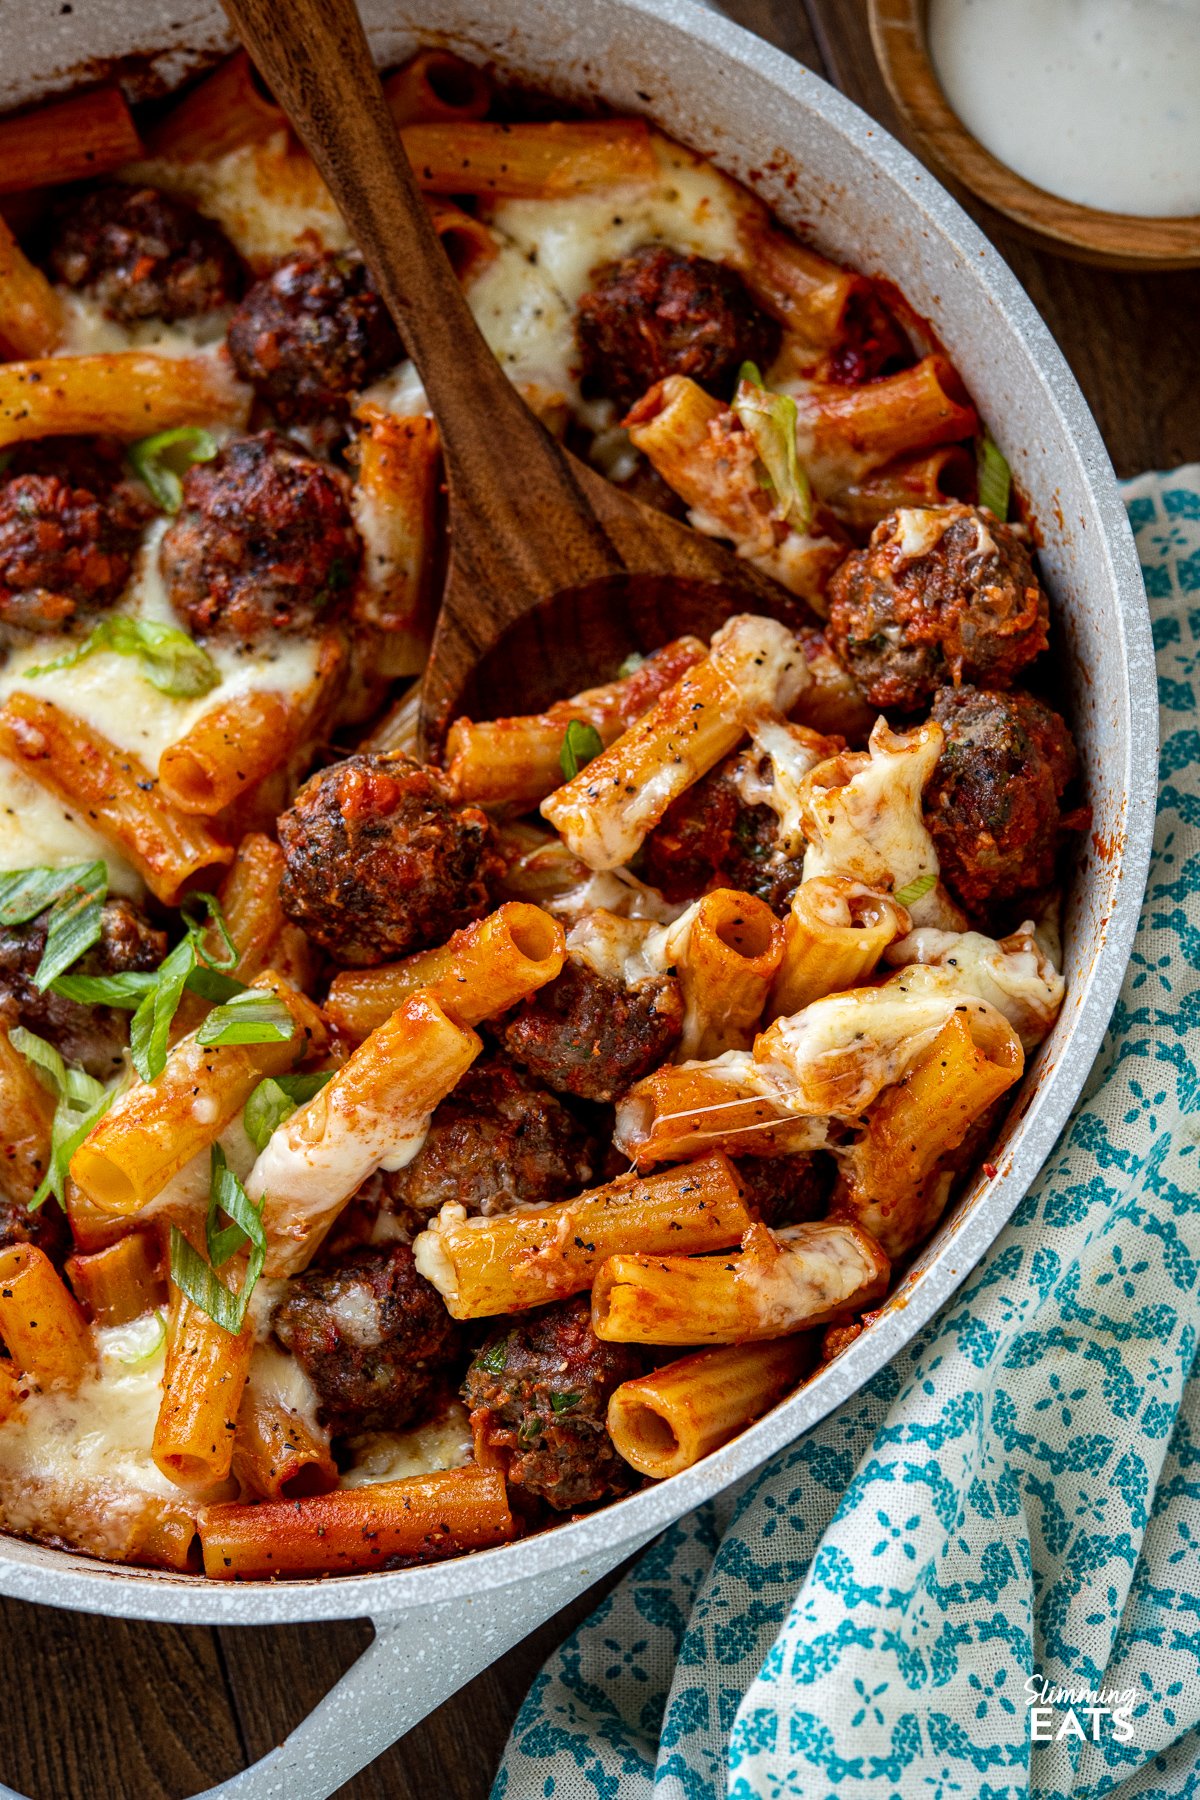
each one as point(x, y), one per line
point(833, 172)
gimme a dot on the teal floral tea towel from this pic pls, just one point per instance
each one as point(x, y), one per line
point(980, 1578)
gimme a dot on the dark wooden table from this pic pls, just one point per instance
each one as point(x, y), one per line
point(99, 1709)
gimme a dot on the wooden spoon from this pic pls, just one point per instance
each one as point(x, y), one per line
point(554, 574)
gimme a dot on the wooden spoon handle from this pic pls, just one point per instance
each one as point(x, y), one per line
point(315, 58)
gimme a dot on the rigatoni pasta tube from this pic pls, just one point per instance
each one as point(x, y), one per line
point(478, 973)
point(664, 1422)
point(26, 1115)
point(808, 293)
point(974, 1058)
point(434, 85)
point(112, 790)
point(842, 433)
point(394, 499)
point(41, 1323)
point(222, 112)
point(754, 666)
point(233, 746)
point(31, 313)
point(932, 478)
point(531, 160)
point(374, 1113)
point(702, 451)
point(687, 1109)
point(156, 1127)
point(74, 139)
point(203, 1381)
point(725, 949)
point(121, 1282)
point(358, 1528)
point(277, 1455)
point(517, 761)
point(780, 1282)
point(527, 1257)
point(834, 935)
point(125, 394)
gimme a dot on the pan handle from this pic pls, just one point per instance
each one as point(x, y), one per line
point(417, 1659)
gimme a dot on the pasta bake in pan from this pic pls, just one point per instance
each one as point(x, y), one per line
point(401, 1158)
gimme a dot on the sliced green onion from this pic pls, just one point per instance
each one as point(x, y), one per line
point(216, 917)
point(210, 984)
point(560, 1403)
point(994, 476)
point(168, 658)
point(75, 924)
point(274, 1101)
point(631, 665)
point(76, 898)
point(151, 1350)
point(150, 1026)
point(581, 743)
point(162, 461)
point(916, 889)
point(195, 1277)
point(251, 1017)
point(27, 892)
point(81, 1101)
point(770, 420)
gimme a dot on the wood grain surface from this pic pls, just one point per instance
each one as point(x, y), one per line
point(102, 1710)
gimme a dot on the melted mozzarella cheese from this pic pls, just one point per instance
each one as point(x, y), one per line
point(38, 831)
point(78, 1466)
point(88, 331)
point(834, 1057)
point(441, 1443)
point(277, 1377)
point(1014, 975)
point(774, 773)
point(267, 197)
point(870, 825)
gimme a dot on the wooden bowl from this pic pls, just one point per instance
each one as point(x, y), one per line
point(1117, 240)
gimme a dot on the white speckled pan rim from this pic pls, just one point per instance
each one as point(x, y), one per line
point(59, 1578)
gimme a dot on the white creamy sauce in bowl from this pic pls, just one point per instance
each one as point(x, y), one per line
point(1097, 101)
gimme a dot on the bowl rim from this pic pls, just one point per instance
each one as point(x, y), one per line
point(1088, 233)
point(67, 1579)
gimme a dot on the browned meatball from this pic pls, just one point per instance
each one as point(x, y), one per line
point(657, 313)
point(47, 1228)
point(373, 1336)
point(310, 333)
point(144, 255)
point(379, 860)
point(69, 531)
point(787, 1190)
point(95, 1036)
point(264, 541)
point(992, 802)
point(538, 1394)
point(710, 837)
point(585, 1035)
point(939, 595)
point(497, 1142)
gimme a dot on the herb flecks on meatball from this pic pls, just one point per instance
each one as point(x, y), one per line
point(583, 1034)
point(70, 527)
point(312, 332)
point(657, 313)
point(496, 1142)
point(144, 255)
point(939, 595)
point(263, 542)
point(538, 1394)
point(710, 836)
point(380, 862)
point(992, 804)
point(373, 1337)
point(95, 1036)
